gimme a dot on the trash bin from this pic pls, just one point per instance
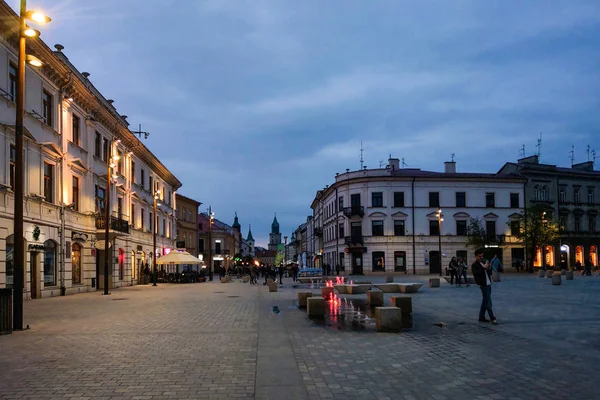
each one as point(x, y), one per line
point(6, 311)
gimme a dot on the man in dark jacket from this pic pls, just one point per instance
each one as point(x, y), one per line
point(482, 275)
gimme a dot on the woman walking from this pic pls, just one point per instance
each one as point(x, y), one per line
point(462, 272)
point(453, 266)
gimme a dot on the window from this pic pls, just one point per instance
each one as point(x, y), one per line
point(377, 199)
point(98, 145)
point(200, 245)
point(434, 228)
point(133, 172)
point(434, 199)
point(47, 107)
point(378, 261)
point(490, 200)
point(562, 194)
point(577, 224)
point(377, 228)
point(217, 247)
point(398, 199)
point(399, 228)
point(514, 200)
point(461, 228)
point(10, 266)
point(544, 193)
point(341, 230)
point(48, 182)
point(341, 203)
point(143, 218)
point(12, 167)
point(120, 207)
point(100, 199)
point(164, 228)
point(592, 224)
point(75, 205)
point(49, 263)
point(576, 197)
point(151, 184)
point(461, 199)
point(121, 264)
point(76, 262)
point(105, 149)
point(490, 229)
point(143, 180)
point(590, 196)
point(120, 164)
point(12, 81)
point(151, 215)
point(76, 132)
point(562, 222)
point(399, 261)
point(515, 227)
point(132, 216)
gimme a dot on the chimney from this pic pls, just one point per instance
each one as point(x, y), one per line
point(584, 166)
point(59, 47)
point(529, 160)
point(450, 167)
point(85, 74)
point(394, 164)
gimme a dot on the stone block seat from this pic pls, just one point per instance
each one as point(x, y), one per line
point(375, 298)
point(404, 303)
point(303, 298)
point(310, 279)
point(316, 307)
point(388, 319)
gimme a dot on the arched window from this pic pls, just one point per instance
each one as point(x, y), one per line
point(50, 263)
point(544, 193)
point(594, 255)
point(10, 264)
point(550, 256)
point(538, 258)
point(579, 255)
point(133, 267)
point(76, 261)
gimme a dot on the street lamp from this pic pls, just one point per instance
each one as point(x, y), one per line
point(440, 218)
point(110, 165)
point(284, 250)
point(210, 262)
point(19, 243)
point(156, 193)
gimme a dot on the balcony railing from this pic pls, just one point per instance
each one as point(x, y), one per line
point(354, 211)
point(318, 231)
point(354, 239)
point(496, 239)
point(116, 224)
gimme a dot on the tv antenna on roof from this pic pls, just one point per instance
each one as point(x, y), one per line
point(139, 132)
point(572, 153)
point(380, 163)
point(594, 156)
point(522, 152)
point(403, 163)
point(452, 157)
point(539, 146)
point(361, 154)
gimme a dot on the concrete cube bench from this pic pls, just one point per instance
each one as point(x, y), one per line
point(409, 287)
point(569, 275)
point(315, 306)
point(272, 286)
point(375, 298)
point(434, 282)
point(302, 299)
point(388, 319)
point(404, 303)
point(556, 278)
point(327, 292)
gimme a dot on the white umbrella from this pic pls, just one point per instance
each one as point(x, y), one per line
point(176, 257)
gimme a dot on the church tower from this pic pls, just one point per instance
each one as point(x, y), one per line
point(250, 242)
point(237, 235)
point(275, 235)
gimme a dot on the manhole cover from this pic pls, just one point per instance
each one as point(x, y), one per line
point(232, 296)
point(119, 299)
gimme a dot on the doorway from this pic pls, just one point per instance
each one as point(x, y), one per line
point(34, 275)
point(357, 264)
point(435, 262)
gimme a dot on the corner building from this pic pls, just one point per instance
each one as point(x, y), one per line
point(385, 220)
point(70, 130)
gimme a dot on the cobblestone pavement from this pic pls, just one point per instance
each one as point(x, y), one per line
point(225, 341)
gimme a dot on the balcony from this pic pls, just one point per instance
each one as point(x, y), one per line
point(116, 224)
point(497, 239)
point(354, 211)
point(354, 239)
point(318, 232)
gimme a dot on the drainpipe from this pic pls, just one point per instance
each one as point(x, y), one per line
point(413, 227)
point(61, 254)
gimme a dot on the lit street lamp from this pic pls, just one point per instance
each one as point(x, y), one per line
point(110, 165)
point(19, 243)
point(210, 262)
point(284, 250)
point(440, 218)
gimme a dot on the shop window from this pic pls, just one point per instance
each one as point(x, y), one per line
point(579, 256)
point(49, 263)
point(378, 261)
point(76, 262)
point(400, 261)
point(121, 264)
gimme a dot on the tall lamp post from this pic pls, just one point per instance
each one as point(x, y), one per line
point(284, 250)
point(210, 263)
point(110, 165)
point(19, 243)
point(440, 218)
point(155, 193)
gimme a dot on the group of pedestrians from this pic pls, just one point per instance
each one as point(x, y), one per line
point(458, 271)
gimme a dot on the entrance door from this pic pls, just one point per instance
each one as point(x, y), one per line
point(357, 264)
point(34, 275)
point(517, 255)
point(435, 262)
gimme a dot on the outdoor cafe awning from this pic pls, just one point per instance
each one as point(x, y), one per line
point(176, 257)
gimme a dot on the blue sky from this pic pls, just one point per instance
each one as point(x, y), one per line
point(256, 104)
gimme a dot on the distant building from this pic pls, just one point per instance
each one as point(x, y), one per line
point(248, 244)
point(385, 220)
point(266, 257)
point(570, 196)
point(187, 224)
point(216, 243)
point(275, 235)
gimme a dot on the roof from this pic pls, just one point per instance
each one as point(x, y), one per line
point(236, 223)
point(249, 238)
point(187, 199)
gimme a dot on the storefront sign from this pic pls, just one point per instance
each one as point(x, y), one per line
point(79, 236)
point(35, 247)
point(100, 244)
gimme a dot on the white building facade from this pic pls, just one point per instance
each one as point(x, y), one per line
point(70, 130)
point(386, 220)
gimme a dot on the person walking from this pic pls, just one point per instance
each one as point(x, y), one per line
point(461, 272)
point(481, 274)
point(281, 271)
point(587, 270)
point(496, 268)
point(452, 267)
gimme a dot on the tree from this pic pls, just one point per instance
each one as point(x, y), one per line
point(477, 237)
point(536, 229)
